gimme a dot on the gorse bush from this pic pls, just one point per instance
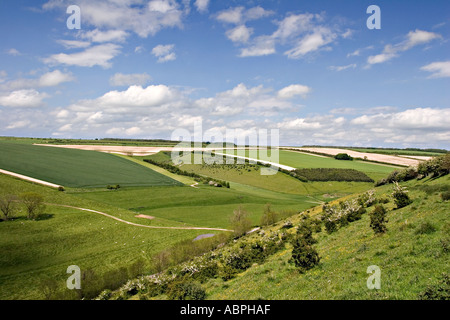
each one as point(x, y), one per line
point(304, 256)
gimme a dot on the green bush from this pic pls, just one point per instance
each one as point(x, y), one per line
point(439, 291)
point(304, 256)
point(343, 156)
point(400, 195)
point(186, 290)
point(378, 219)
point(425, 228)
point(445, 196)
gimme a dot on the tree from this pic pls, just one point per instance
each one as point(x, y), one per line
point(269, 217)
point(34, 203)
point(8, 205)
point(240, 222)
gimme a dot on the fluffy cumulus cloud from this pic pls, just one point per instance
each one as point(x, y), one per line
point(294, 90)
point(26, 98)
point(142, 18)
point(303, 33)
point(201, 5)
point(164, 53)
point(412, 39)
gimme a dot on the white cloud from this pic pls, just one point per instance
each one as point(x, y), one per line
point(120, 79)
point(13, 52)
point(239, 34)
point(320, 37)
point(261, 46)
point(143, 18)
point(164, 53)
point(99, 55)
point(232, 15)
point(294, 90)
point(3, 75)
point(240, 15)
point(26, 98)
point(18, 124)
point(304, 33)
point(49, 79)
point(439, 69)
point(74, 44)
point(413, 38)
point(201, 5)
point(105, 36)
point(54, 78)
point(342, 68)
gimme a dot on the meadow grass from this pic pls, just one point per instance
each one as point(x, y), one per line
point(43, 249)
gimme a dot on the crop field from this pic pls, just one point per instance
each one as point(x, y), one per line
point(400, 152)
point(76, 168)
point(305, 161)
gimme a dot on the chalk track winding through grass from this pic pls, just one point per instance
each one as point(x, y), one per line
point(136, 224)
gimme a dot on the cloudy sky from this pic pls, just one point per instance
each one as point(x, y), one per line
point(312, 69)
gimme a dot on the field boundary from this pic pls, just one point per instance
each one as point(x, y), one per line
point(30, 179)
point(137, 224)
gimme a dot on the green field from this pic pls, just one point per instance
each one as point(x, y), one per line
point(77, 168)
point(33, 251)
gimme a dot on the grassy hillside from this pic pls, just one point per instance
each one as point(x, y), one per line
point(412, 256)
point(77, 168)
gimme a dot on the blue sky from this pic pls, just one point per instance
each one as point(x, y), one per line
point(312, 69)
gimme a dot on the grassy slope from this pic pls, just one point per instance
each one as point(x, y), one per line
point(36, 250)
point(76, 168)
point(409, 261)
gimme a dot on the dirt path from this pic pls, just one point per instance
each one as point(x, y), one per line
point(20, 176)
point(136, 224)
